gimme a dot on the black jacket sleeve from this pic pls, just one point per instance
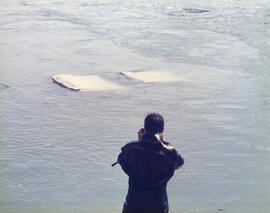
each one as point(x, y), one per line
point(176, 158)
point(179, 160)
point(122, 156)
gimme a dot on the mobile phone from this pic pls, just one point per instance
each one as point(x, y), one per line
point(158, 137)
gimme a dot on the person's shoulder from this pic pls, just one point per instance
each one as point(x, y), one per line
point(131, 144)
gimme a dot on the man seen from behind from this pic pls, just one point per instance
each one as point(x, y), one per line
point(149, 162)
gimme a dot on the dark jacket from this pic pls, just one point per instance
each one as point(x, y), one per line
point(149, 164)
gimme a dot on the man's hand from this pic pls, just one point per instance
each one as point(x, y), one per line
point(140, 134)
point(161, 135)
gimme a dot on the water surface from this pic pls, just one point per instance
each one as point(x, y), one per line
point(57, 145)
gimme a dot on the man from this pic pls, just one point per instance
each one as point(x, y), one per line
point(150, 163)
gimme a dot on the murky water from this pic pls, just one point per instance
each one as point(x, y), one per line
point(57, 145)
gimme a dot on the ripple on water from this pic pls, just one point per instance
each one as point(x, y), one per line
point(3, 86)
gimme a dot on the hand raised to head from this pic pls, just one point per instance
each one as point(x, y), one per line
point(140, 134)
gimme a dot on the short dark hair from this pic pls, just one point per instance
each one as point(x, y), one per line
point(154, 123)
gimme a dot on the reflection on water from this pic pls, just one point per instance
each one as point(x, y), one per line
point(57, 145)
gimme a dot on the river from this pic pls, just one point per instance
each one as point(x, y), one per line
point(57, 145)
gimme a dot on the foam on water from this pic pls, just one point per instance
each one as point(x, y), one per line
point(154, 76)
point(85, 83)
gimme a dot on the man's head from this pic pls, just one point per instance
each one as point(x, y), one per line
point(154, 123)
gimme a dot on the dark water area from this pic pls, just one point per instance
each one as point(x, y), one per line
point(56, 146)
